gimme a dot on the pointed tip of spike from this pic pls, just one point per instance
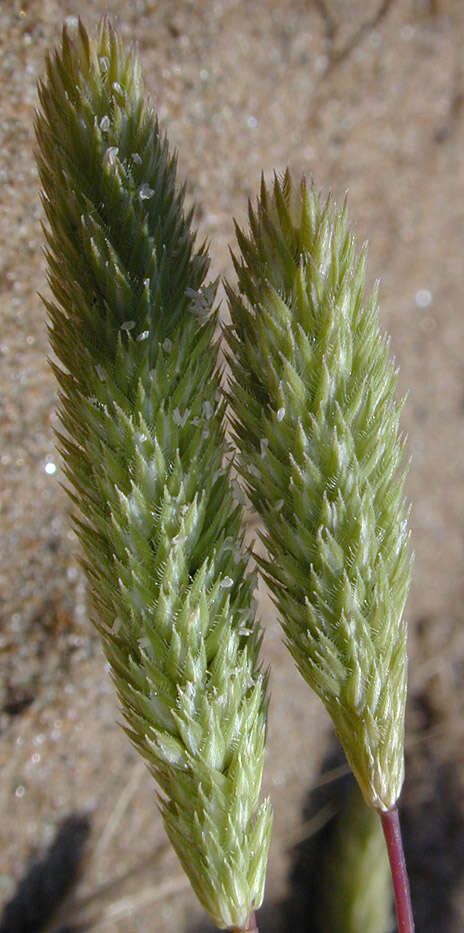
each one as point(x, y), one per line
point(286, 186)
point(83, 35)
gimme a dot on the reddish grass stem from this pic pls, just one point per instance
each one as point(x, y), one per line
point(392, 832)
point(251, 926)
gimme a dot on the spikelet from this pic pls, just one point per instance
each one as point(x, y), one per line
point(132, 326)
point(316, 423)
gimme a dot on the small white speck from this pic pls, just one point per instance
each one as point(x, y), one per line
point(202, 299)
point(226, 583)
point(252, 121)
point(50, 468)
point(110, 155)
point(145, 192)
point(239, 493)
point(407, 33)
point(180, 420)
point(423, 298)
point(204, 74)
point(278, 780)
point(207, 409)
point(189, 689)
point(104, 63)
point(117, 87)
point(105, 123)
point(136, 158)
point(280, 414)
point(127, 325)
point(143, 336)
point(321, 64)
point(20, 790)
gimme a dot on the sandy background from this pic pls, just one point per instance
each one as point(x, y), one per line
point(365, 96)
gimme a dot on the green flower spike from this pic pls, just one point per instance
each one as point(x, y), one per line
point(316, 423)
point(144, 447)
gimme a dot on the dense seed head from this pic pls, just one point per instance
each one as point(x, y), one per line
point(132, 327)
point(316, 424)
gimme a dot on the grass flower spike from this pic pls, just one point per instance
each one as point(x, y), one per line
point(132, 327)
point(316, 423)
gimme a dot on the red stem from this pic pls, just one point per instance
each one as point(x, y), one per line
point(392, 832)
point(251, 926)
